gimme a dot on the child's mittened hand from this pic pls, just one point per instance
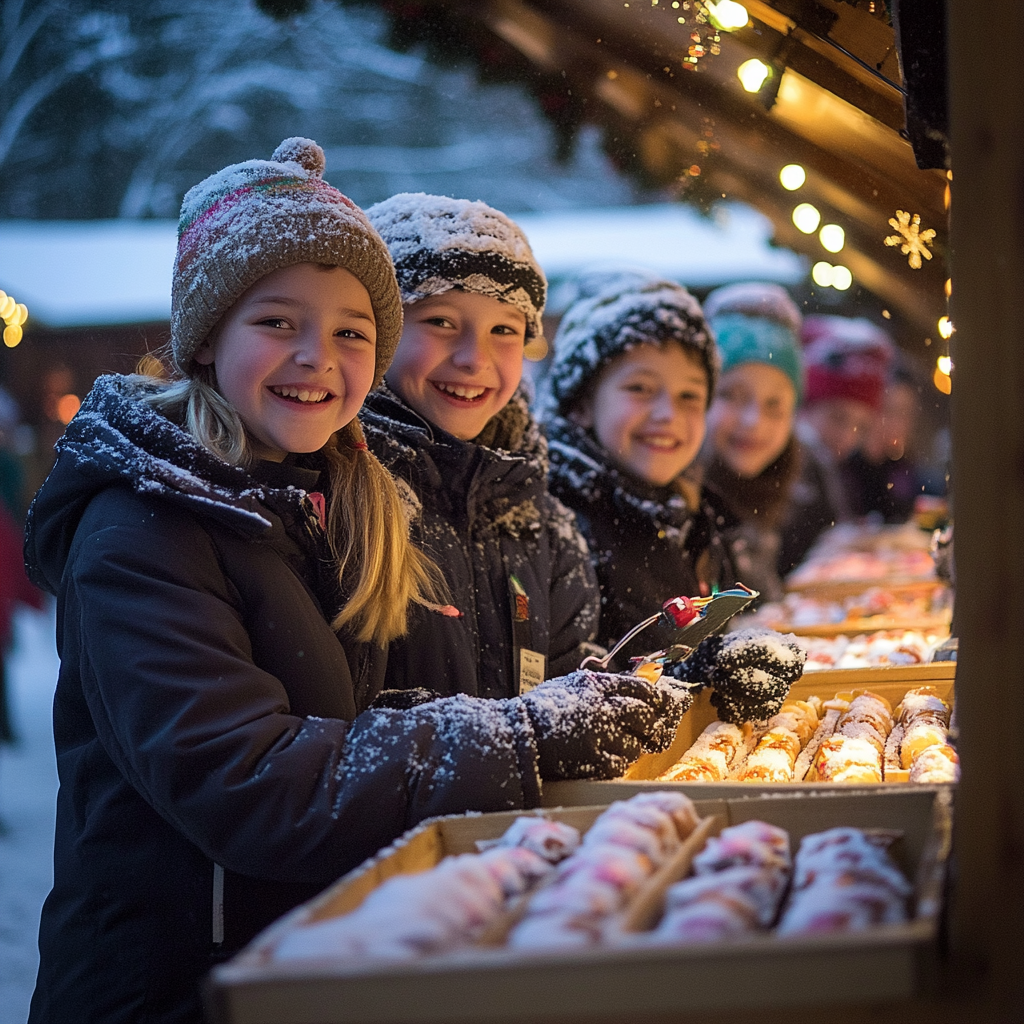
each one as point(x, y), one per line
point(402, 700)
point(594, 725)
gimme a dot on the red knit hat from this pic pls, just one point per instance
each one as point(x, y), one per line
point(845, 358)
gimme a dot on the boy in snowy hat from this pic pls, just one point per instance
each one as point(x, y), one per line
point(847, 360)
point(634, 370)
point(452, 424)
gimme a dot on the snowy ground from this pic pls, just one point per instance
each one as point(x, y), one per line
point(28, 789)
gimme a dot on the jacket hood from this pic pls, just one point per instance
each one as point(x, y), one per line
point(503, 481)
point(579, 464)
point(119, 439)
point(513, 431)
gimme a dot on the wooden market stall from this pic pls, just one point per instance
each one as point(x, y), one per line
point(843, 115)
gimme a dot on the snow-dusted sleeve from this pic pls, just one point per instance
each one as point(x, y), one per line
point(575, 599)
point(162, 642)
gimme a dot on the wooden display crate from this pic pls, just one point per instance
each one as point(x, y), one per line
point(492, 985)
point(891, 683)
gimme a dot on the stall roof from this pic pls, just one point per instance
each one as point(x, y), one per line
point(834, 104)
point(88, 273)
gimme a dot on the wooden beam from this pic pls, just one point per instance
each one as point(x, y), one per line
point(987, 121)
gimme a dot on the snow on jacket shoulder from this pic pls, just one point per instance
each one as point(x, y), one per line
point(484, 513)
point(206, 714)
point(646, 542)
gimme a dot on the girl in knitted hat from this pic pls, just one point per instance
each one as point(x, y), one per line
point(751, 457)
point(230, 563)
point(633, 372)
point(452, 424)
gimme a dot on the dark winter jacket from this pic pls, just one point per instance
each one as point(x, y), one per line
point(646, 542)
point(482, 510)
point(887, 488)
point(818, 500)
point(757, 506)
point(217, 764)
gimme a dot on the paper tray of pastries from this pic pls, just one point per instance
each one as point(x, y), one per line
point(924, 608)
point(850, 558)
point(630, 981)
point(891, 685)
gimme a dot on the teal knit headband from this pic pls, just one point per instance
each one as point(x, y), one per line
point(747, 339)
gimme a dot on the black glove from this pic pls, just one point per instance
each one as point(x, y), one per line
point(751, 672)
point(593, 725)
point(402, 700)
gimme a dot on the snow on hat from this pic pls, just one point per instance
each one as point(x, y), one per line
point(757, 323)
point(625, 311)
point(249, 219)
point(439, 244)
point(845, 358)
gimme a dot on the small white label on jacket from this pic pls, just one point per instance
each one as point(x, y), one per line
point(531, 669)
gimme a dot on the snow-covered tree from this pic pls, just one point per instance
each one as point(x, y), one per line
point(114, 108)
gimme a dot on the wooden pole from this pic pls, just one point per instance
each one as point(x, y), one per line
point(987, 260)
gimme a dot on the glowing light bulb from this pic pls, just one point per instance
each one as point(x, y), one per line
point(792, 177)
point(944, 365)
point(752, 74)
point(12, 335)
point(806, 218)
point(945, 327)
point(821, 274)
point(942, 381)
point(832, 237)
point(841, 278)
point(20, 314)
point(67, 406)
point(7, 306)
point(727, 15)
point(949, 287)
point(536, 349)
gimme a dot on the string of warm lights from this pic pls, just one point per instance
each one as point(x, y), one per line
point(14, 315)
point(709, 19)
point(807, 218)
point(757, 76)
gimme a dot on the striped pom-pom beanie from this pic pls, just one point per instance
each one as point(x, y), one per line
point(249, 219)
point(439, 244)
point(615, 316)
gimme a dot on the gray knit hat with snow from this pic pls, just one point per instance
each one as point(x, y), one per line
point(615, 314)
point(252, 218)
point(439, 244)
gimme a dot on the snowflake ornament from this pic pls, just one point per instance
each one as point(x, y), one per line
point(913, 242)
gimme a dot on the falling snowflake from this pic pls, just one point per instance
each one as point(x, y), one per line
point(913, 242)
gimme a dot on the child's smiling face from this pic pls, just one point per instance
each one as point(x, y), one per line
point(751, 418)
point(648, 410)
point(295, 357)
point(460, 359)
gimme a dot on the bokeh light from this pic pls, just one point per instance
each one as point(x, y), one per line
point(67, 406)
point(821, 274)
point(832, 237)
point(752, 74)
point(841, 278)
point(792, 177)
point(727, 15)
point(806, 218)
